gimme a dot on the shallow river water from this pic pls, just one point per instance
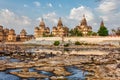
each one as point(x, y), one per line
point(76, 74)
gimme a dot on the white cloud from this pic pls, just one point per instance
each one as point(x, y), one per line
point(49, 5)
point(11, 20)
point(77, 13)
point(60, 5)
point(109, 11)
point(52, 17)
point(108, 6)
point(36, 3)
point(25, 5)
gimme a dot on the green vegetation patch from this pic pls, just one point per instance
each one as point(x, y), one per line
point(77, 43)
point(56, 43)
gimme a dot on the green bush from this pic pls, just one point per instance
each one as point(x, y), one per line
point(85, 43)
point(66, 45)
point(56, 43)
point(77, 43)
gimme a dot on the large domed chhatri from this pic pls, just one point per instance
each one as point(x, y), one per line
point(60, 30)
point(6, 34)
point(41, 30)
point(83, 27)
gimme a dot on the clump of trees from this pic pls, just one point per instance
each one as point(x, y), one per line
point(103, 31)
point(82, 43)
point(91, 33)
point(75, 32)
point(116, 32)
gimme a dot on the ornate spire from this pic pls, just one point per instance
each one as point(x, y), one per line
point(41, 19)
point(84, 21)
point(102, 24)
point(83, 15)
point(23, 32)
point(60, 22)
point(42, 24)
point(1, 27)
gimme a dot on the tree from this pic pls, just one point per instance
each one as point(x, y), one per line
point(75, 32)
point(51, 35)
point(94, 34)
point(44, 35)
point(103, 31)
point(89, 33)
point(113, 32)
point(118, 31)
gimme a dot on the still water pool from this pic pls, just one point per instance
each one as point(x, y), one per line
point(76, 74)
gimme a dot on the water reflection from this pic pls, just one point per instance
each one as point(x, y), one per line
point(5, 76)
point(76, 73)
point(9, 59)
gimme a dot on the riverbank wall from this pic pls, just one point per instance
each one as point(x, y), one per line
point(50, 40)
point(96, 40)
point(87, 39)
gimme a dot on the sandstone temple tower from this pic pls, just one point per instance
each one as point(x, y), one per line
point(42, 30)
point(60, 30)
point(1, 33)
point(12, 35)
point(83, 27)
point(23, 35)
point(6, 34)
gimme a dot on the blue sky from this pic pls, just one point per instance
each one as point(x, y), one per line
point(19, 14)
point(31, 9)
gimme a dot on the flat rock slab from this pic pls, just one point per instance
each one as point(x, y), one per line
point(29, 74)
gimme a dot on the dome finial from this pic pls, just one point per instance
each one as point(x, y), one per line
point(60, 22)
point(42, 19)
point(84, 21)
point(59, 18)
point(83, 15)
point(102, 24)
point(42, 24)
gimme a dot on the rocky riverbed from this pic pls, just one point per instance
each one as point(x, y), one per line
point(61, 66)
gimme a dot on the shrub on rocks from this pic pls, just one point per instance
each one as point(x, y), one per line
point(66, 45)
point(56, 43)
point(77, 43)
